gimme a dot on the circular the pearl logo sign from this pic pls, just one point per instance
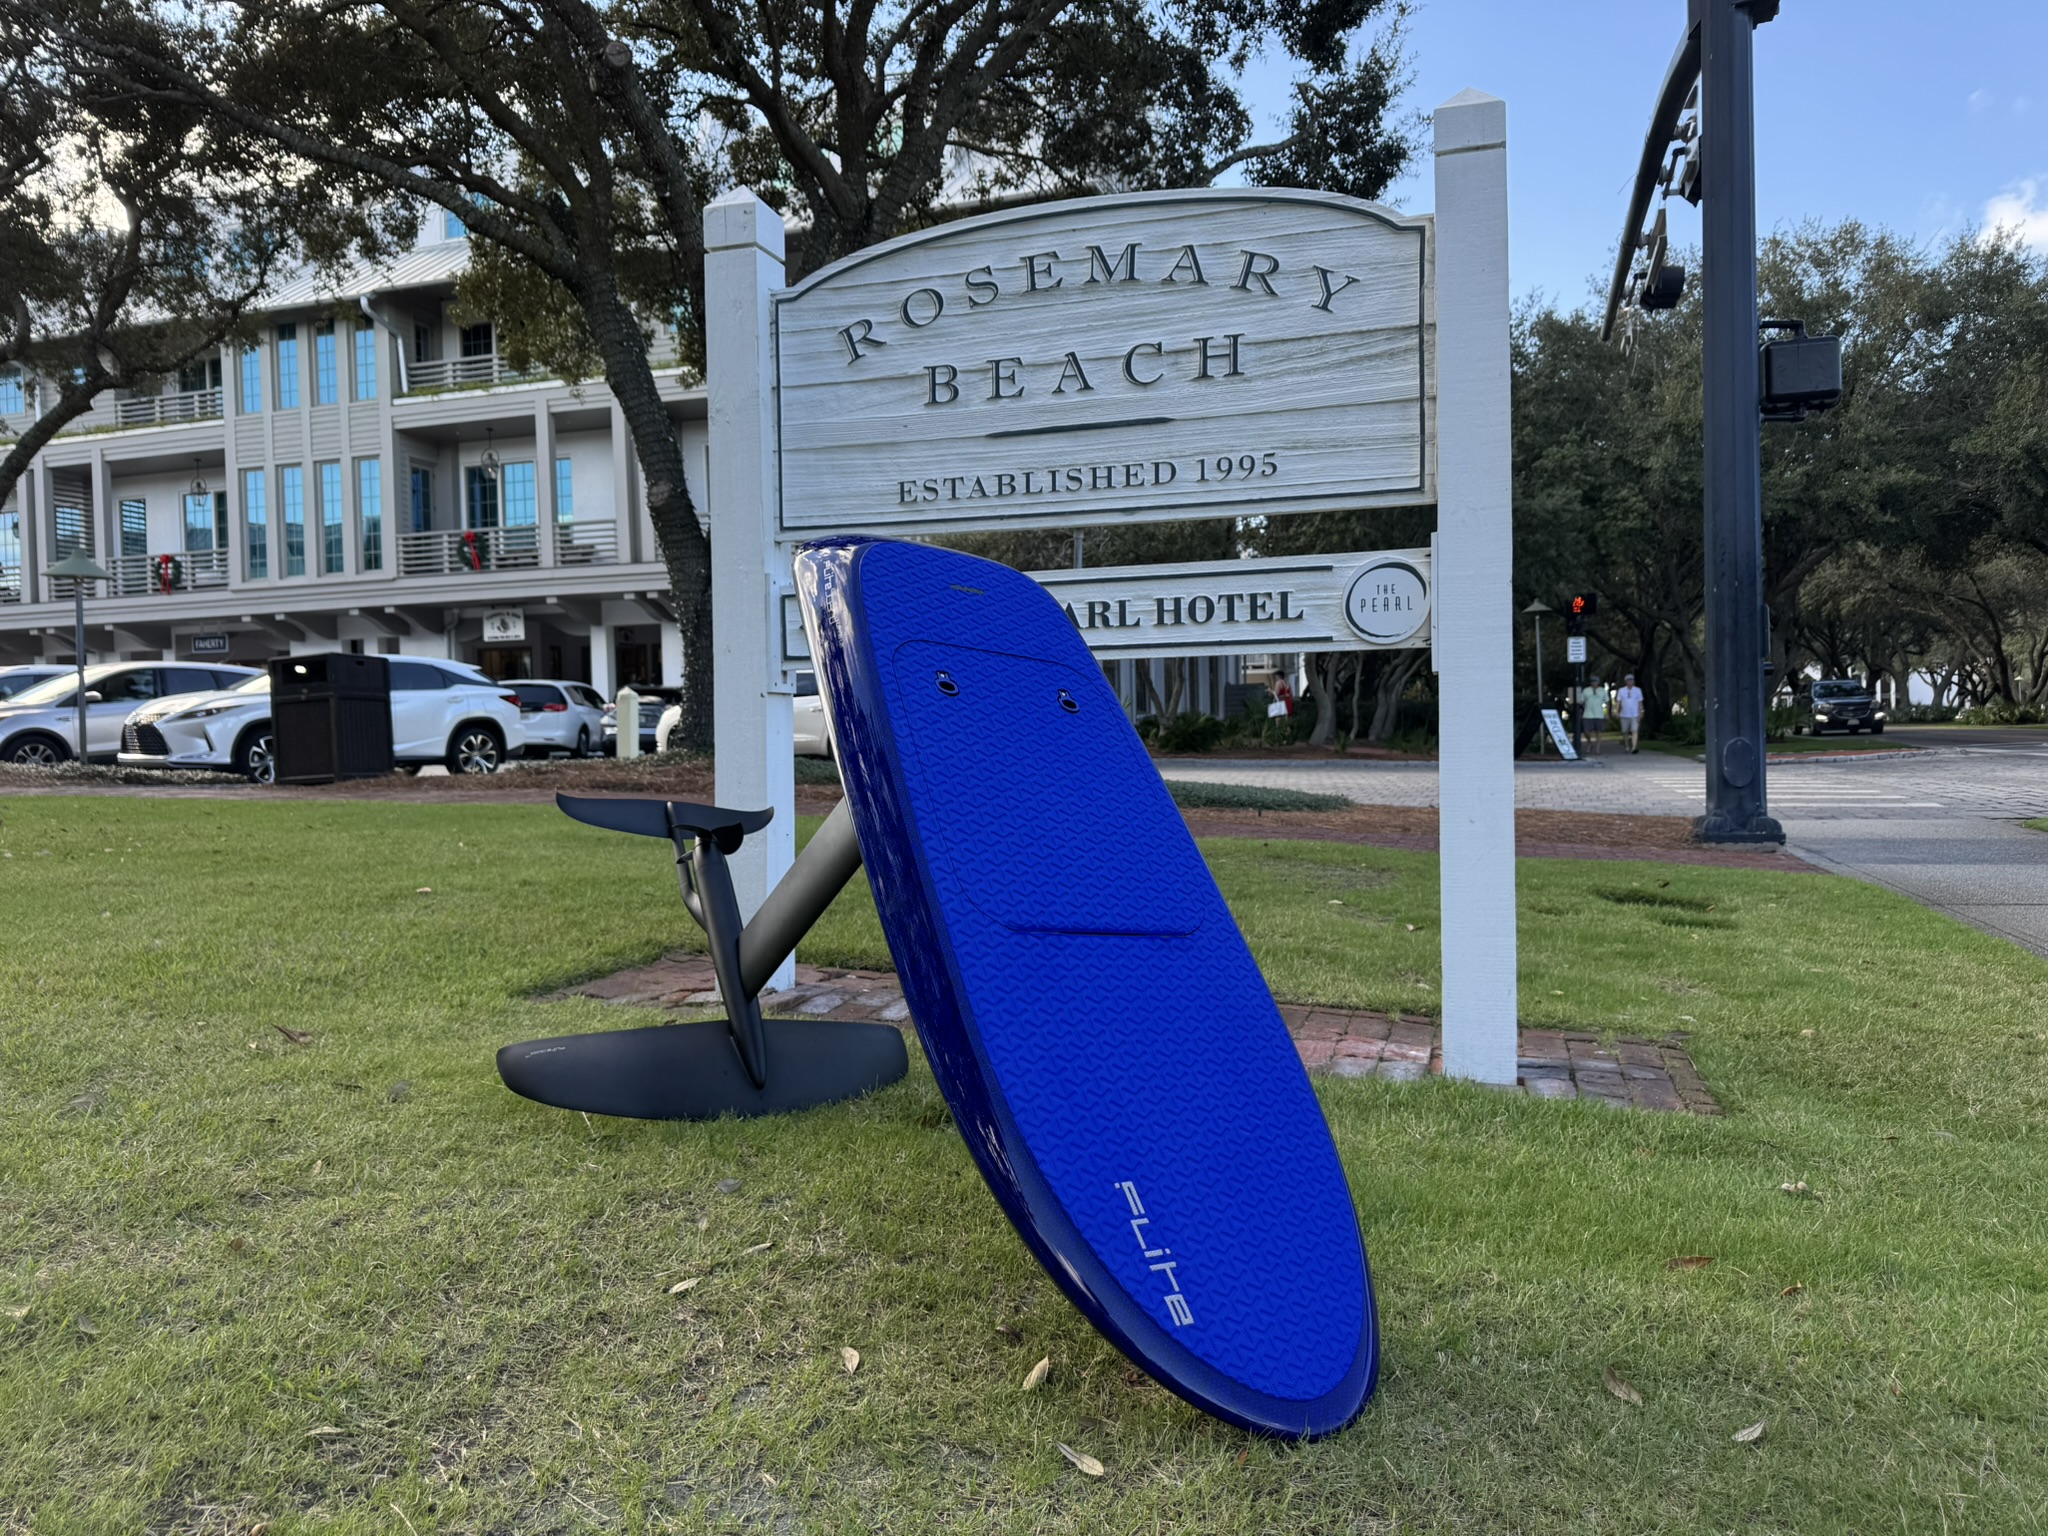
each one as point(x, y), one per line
point(1387, 602)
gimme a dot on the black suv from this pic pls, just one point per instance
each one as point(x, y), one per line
point(1841, 704)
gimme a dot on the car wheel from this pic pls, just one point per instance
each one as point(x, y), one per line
point(37, 752)
point(476, 749)
point(1877, 730)
point(582, 742)
point(256, 756)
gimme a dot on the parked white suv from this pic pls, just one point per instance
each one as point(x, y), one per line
point(225, 729)
point(810, 737)
point(39, 725)
point(441, 712)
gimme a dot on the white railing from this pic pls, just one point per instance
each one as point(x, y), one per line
point(195, 570)
point(458, 552)
point(456, 372)
point(455, 552)
point(163, 410)
point(586, 544)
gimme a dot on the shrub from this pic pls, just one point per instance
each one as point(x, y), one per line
point(1998, 712)
point(1250, 797)
point(1189, 732)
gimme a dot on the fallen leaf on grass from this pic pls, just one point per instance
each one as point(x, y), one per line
point(1618, 1385)
point(296, 1036)
point(685, 1285)
point(1796, 1288)
point(1411, 928)
point(1081, 1459)
point(757, 1248)
point(17, 1313)
point(325, 1432)
point(425, 890)
point(1689, 1261)
point(1795, 1190)
point(850, 1358)
point(88, 1327)
point(237, 1243)
point(1751, 1435)
point(1037, 1374)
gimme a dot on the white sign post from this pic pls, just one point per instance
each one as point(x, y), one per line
point(1475, 595)
point(750, 574)
point(1172, 355)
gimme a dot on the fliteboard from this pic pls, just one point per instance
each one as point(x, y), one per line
point(1106, 1042)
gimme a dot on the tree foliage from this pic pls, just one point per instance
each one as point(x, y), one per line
point(1904, 531)
point(135, 234)
point(580, 142)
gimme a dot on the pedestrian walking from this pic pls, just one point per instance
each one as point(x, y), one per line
point(1630, 699)
point(1593, 714)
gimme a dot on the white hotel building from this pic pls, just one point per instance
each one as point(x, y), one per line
point(367, 476)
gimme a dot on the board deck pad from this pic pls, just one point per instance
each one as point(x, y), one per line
point(1093, 1016)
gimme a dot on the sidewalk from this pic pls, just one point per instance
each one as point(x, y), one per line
point(1630, 1073)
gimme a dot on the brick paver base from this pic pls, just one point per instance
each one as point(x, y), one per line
point(1349, 1042)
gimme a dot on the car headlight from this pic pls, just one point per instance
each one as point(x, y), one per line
point(1820, 714)
point(208, 712)
point(1878, 716)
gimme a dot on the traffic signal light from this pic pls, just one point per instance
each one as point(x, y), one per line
point(1577, 609)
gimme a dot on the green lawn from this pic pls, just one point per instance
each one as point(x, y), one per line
point(248, 1281)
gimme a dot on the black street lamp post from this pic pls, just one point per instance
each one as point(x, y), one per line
point(78, 568)
point(1711, 160)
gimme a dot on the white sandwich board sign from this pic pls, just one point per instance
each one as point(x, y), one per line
point(1173, 355)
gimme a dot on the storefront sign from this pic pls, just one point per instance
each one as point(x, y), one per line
point(207, 645)
point(1189, 354)
point(506, 628)
point(1231, 607)
point(1227, 607)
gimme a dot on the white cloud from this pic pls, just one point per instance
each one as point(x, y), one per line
point(2023, 206)
point(1980, 101)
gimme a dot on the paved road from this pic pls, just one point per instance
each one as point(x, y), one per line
point(1940, 825)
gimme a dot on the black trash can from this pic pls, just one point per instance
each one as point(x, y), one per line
point(331, 716)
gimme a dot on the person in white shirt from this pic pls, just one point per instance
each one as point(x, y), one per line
point(1629, 698)
point(1592, 715)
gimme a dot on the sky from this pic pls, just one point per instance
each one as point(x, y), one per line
point(1930, 120)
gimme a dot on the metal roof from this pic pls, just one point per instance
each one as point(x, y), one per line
point(441, 262)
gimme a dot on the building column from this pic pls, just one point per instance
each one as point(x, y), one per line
point(602, 676)
point(32, 501)
point(103, 521)
point(623, 471)
point(1474, 600)
point(544, 478)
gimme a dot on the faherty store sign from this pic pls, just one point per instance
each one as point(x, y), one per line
point(1172, 356)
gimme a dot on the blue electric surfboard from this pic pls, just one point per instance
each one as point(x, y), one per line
point(1094, 1019)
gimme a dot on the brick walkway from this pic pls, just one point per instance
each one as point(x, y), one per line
point(1555, 1064)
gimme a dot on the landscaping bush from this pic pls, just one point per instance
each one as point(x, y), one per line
point(1998, 712)
point(1686, 730)
point(1250, 797)
point(1190, 731)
